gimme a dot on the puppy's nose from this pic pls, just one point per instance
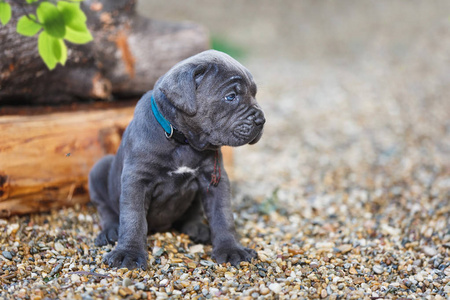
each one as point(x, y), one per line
point(259, 119)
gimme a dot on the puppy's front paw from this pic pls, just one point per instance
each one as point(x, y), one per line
point(126, 258)
point(233, 254)
point(197, 232)
point(107, 236)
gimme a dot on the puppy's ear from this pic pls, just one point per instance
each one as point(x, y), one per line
point(180, 85)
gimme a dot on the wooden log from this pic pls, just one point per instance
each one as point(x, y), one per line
point(45, 158)
point(46, 153)
point(128, 54)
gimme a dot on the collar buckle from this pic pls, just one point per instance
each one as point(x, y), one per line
point(169, 136)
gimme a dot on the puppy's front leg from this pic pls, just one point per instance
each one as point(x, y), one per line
point(131, 249)
point(217, 207)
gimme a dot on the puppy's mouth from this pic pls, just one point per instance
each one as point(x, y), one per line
point(246, 134)
point(247, 130)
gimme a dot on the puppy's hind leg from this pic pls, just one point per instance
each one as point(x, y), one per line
point(98, 190)
point(192, 224)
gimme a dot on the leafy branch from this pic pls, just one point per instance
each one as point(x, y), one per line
point(55, 22)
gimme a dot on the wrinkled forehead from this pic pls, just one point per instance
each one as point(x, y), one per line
point(225, 64)
point(232, 68)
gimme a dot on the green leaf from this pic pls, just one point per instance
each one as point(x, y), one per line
point(63, 57)
point(78, 37)
point(52, 19)
point(47, 46)
point(72, 14)
point(28, 27)
point(31, 1)
point(75, 20)
point(56, 49)
point(5, 12)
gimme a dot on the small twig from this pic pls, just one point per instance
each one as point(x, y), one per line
point(90, 273)
point(26, 13)
point(8, 276)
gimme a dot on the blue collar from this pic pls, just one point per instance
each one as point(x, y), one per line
point(161, 120)
point(170, 131)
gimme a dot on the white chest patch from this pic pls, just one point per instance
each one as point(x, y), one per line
point(183, 170)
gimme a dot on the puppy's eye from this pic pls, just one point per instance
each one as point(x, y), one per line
point(230, 97)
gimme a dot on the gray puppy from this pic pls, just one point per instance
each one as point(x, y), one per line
point(167, 171)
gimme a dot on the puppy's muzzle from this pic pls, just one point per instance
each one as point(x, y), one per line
point(252, 127)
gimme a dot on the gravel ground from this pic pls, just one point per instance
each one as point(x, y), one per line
point(346, 196)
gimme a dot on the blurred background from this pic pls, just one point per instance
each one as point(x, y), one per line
point(311, 30)
point(356, 93)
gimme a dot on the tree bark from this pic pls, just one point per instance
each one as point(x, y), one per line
point(128, 54)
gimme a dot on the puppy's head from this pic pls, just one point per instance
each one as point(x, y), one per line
point(210, 97)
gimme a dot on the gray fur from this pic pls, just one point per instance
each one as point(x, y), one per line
point(155, 184)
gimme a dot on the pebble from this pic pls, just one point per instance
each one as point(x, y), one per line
point(7, 255)
point(215, 292)
point(161, 295)
point(430, 251)
point(345, 248)
point(207, 263)
point(263, 256)
point(192, 265)
point(81, 218)
point(140, 286)
point(378, 269)
point(275, 287)
point(196, 248)
point(127, 282)
point(59, 247)
point(56, 269)
point(324, 245)
point(75, 278)
point(12, 228)
point(419, 277)
point(164, 282)
point(157, 251)
point(264, 290)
